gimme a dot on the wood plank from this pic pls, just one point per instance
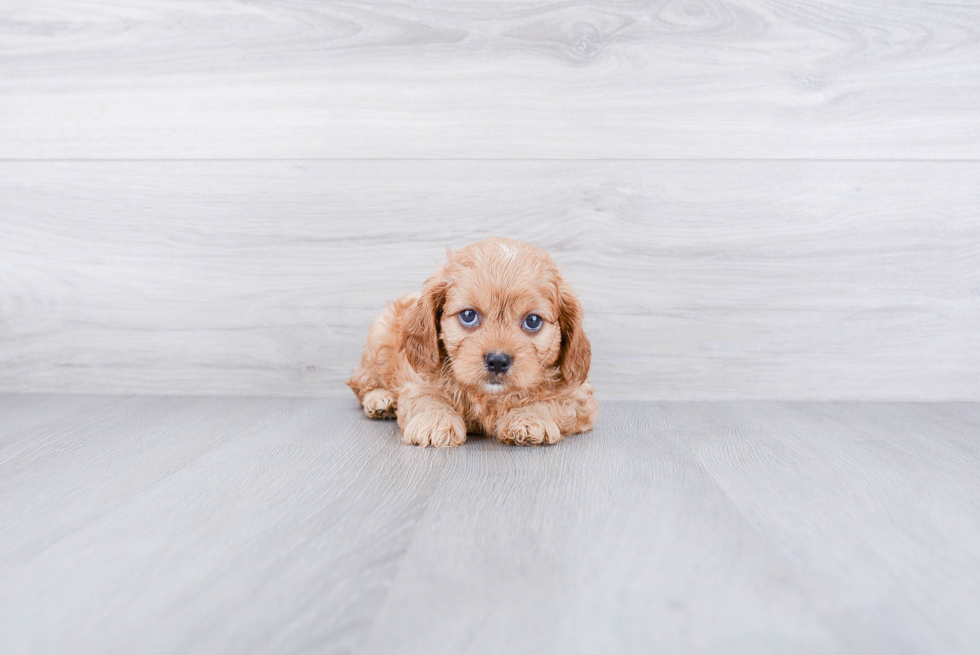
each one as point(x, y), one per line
point(700, 279)
point(616, 541)
point(21, 415)
point(792, 280)
point(447, 79)
point(877, 506)
point(64, 472)
point(203, 525)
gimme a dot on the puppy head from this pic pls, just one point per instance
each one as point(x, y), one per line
point(498, 317)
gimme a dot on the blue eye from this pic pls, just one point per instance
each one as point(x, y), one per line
point(469, 318)
point(533, 323)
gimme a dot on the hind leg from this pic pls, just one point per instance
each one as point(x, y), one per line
point(379, 403)
point(383, 367)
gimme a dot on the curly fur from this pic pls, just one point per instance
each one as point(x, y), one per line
point(421, 365)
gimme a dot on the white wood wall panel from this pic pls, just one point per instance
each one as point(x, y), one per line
point(671, 79)
point(706, 279)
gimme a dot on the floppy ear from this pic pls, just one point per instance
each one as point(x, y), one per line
point(575, 356)
point(420, 332)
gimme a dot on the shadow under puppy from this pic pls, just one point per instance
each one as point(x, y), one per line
point(493, 344)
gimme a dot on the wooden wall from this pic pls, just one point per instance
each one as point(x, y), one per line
point(754, 199)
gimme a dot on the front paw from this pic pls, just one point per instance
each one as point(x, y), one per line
point(439, 429)
point(379, 403)
point(528, 429)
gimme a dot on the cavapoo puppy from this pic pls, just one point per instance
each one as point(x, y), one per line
point(493, 344)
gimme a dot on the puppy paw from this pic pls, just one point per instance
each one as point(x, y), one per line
point(379, 403)
point(527, 429)
point(439, 429)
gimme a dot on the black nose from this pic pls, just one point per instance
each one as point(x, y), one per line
point(497, 362)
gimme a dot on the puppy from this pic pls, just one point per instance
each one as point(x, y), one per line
point(493, 344)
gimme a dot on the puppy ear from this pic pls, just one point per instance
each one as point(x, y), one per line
point(420, 332)
point(575, 356)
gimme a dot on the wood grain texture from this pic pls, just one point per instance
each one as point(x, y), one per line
point(616, 542)
point(217, 525)
point(240, 525)
point(793, 280)
point(447, 79)
point(875, 504)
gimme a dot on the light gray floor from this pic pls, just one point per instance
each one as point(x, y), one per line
point(259, 525)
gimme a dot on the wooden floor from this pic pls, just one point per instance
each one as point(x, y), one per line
point(283, 525)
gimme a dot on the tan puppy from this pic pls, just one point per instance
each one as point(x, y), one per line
point(493, 344)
